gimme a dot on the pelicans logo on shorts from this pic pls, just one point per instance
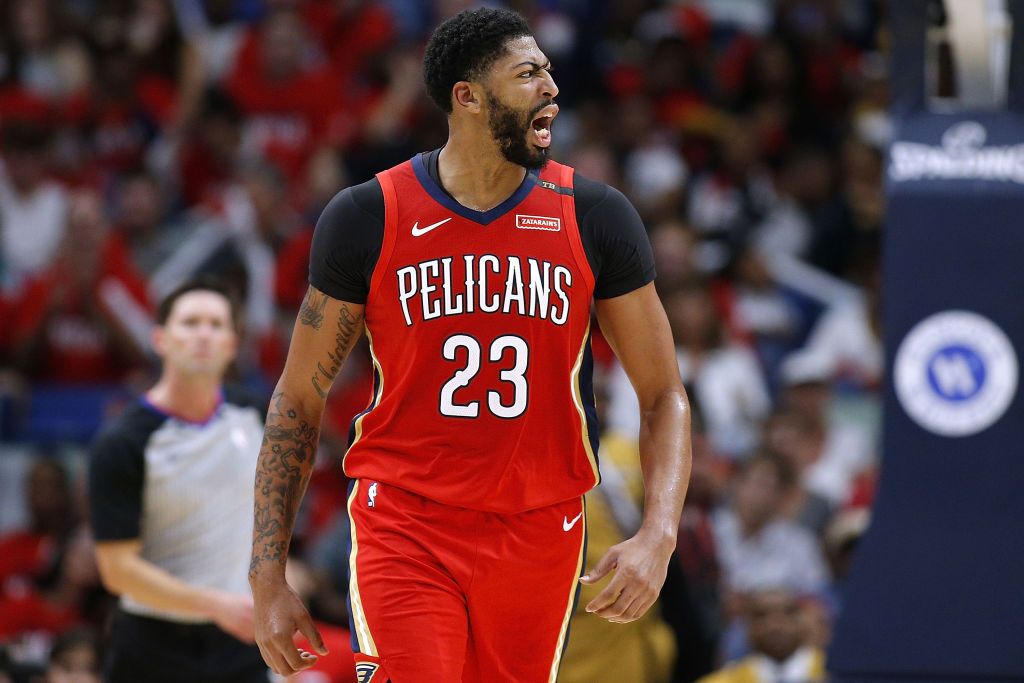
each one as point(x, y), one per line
point(365, 671)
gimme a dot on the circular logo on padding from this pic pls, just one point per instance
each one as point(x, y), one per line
point(955, 373)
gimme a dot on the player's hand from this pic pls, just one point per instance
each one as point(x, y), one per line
point(640, 565)
point(279, 614)
point(234, 615)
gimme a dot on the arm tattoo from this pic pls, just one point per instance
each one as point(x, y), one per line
point(345, 336)
point(290, 440)
point(312, 311)
point(285, 463)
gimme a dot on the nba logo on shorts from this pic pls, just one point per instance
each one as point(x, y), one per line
point(366, 670)
point(372, 500)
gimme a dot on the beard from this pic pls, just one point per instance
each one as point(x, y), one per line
point(510, 129)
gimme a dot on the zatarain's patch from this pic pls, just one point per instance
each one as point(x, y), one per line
point(545, 223)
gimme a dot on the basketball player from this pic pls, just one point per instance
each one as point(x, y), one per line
point(472, 269)
point(170, 487)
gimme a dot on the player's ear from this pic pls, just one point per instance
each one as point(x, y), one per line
point(466, 95)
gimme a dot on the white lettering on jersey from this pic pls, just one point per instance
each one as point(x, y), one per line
point(431, 309)
point(491, 285)
point(540, 289)
point(514, 286)
point(406, 289)
point(470, 283)
point(495, 302)
point(562, 275)
point(452, 306)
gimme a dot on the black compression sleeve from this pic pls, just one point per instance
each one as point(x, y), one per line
point(614, 239)
point(347, 242)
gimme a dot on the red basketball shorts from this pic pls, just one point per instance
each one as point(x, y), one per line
point(440, 594)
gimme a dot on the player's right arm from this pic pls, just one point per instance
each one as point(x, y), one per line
point(324, 334)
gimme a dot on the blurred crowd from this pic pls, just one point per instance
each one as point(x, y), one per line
point(145, 141)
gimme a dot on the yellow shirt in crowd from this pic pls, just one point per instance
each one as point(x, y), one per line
point(642, 651)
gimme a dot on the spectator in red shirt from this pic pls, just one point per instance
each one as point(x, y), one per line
point(171, 68)
point(293, 103)
point(117, 127)
point(34, 551)
point(352, 31)
point(209, 155)
point(48, 576)
point(86, 320)
point(71, 597)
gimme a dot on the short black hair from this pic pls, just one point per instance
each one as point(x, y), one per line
point(465, 46)
point(206, 283)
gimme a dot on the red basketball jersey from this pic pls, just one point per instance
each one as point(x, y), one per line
point(479, 328)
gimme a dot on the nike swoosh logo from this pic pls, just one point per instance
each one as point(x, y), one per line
point(417, 231)
point(567, 525)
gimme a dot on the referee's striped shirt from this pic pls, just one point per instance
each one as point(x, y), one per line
point(185, 489)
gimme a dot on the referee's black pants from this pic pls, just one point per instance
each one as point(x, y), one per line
point(148, 650)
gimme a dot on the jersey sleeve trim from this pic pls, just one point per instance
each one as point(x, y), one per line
point(572, 227)
point(387, 247)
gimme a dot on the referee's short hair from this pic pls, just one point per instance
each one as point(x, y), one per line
point(204, 283)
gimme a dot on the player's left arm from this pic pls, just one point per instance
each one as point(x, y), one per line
point(637, 329)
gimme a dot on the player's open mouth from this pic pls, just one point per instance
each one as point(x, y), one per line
point(542, 125)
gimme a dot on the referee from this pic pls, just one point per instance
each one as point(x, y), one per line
point(171, 499)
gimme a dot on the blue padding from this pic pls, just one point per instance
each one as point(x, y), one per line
point(69, 413)
point(935, 591)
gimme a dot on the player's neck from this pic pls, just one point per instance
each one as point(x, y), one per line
point(193, 398)
point(474, 171)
